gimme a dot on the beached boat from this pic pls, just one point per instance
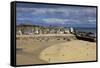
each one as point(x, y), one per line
point(86, 36)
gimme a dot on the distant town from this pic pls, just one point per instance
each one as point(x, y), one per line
point(28, 29)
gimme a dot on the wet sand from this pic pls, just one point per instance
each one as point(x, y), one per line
point(33, 51)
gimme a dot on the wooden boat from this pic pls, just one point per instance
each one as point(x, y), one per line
point(88, 36)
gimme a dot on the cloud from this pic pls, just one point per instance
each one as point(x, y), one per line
point(60, 21)
point(54, 20)
point(24, 18)
point(92, 20)
point(58, 15)
point(75, 13)
point(60, 9)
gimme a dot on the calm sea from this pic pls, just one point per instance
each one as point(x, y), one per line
point(93, 30)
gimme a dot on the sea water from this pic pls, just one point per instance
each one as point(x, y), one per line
point(92, 30)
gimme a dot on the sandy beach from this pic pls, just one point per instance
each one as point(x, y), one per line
point(32, 51)
point(72, 51)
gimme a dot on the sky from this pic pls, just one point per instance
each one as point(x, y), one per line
point(55, 15)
